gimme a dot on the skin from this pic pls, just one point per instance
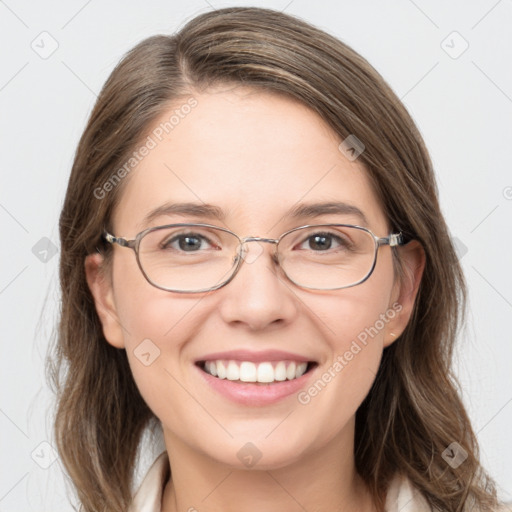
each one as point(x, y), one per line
point(255, 155)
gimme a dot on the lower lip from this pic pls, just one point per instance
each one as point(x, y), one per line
point(250, 393)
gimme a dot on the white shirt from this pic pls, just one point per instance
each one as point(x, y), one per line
point(401, 496)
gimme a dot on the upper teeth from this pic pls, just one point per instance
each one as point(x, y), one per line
point(247, 371)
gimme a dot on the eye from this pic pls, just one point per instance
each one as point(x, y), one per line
point(323, 241)
point(187, 242)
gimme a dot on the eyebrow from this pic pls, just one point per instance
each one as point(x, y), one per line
point(204, 210)
point(300, 211)
point(330, 208)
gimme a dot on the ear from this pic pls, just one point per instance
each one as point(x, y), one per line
point(102, 291)
point(412, 257)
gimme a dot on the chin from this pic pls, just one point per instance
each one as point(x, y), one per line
point(258, 455)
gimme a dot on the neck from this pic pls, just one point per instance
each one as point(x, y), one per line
point(323, 480)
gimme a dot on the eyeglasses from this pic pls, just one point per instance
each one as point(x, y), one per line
point(192, 258)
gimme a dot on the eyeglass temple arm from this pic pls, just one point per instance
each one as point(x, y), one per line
point(120, 241)
point(392, 240)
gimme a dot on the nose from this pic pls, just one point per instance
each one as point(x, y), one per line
point(259, 295)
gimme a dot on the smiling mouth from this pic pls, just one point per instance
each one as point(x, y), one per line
point(267, 372)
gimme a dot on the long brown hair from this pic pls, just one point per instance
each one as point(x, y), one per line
point(414, 410)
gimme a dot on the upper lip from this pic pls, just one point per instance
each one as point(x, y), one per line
point(257, 357)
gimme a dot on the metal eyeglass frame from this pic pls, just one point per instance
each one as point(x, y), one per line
point(392, 240)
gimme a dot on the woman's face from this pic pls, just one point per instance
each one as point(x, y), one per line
point(255, 156)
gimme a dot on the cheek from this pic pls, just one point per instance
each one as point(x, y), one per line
point(159, 327)
point(145, 311)
point(361, 312)
point(354, 322)
point(155, 324)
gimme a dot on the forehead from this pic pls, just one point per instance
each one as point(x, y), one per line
point(253, 154)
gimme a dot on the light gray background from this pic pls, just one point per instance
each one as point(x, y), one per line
point(461, 103)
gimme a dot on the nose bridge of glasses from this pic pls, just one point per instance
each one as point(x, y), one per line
point(254, 254)
point(259, 239)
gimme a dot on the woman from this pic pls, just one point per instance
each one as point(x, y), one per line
point(254, 259)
